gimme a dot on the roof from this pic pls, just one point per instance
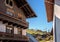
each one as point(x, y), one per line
point(49, 9)
point(22, 4)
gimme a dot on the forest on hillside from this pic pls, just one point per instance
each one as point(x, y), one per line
point(41, 36)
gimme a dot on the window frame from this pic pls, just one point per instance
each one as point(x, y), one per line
point(9, 3)
point(12, 32)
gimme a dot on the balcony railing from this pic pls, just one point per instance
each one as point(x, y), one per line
point(5, 15)
point(13, 36)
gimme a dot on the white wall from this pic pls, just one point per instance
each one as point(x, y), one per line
point(57, 8)
point(2, 27)
point(24, 32)
point(57, 20)
point(57, 29)
point(15, 30)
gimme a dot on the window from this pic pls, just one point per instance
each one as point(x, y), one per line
point(9, 13)
point(9, 3)
point(9, 29)
point(19, 31)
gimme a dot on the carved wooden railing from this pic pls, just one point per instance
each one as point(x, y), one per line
point(13, 36)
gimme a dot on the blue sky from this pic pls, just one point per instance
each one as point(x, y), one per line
point(40, 22)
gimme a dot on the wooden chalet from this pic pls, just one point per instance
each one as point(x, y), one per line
point(13, 24)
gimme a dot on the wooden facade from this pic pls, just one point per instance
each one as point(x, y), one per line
point(13, 14)
point(49, 9)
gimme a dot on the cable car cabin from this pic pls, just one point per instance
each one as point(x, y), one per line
point(13, 24)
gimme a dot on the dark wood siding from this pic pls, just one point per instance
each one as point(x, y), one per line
point(4, 8)
point(49, 9)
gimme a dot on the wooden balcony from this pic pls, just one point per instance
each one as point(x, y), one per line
point(13, 19)
point(16, 37)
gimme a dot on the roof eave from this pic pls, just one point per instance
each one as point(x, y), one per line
point(29, 13)
point(49, 9)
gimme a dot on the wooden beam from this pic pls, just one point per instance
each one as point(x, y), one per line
point(14, 24)
point(28, 10)
point(49, 10)
point(50, 1)
point(23, 5)
point(5, 21)
point(18, 25)
point(0, 19)
point(10, 23)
